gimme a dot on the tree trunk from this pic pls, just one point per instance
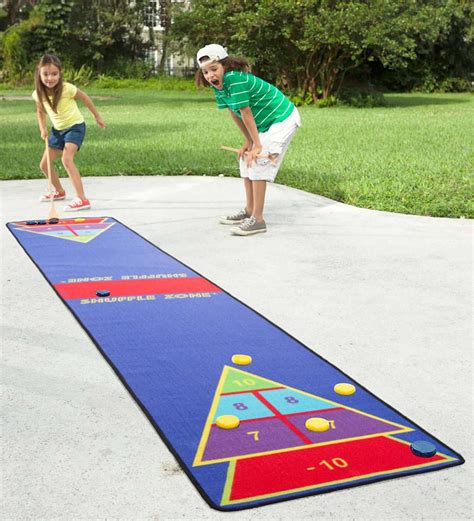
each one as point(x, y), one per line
point(165, 22)
point(13, 8)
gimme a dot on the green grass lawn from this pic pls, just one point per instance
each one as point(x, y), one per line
point(414, 156)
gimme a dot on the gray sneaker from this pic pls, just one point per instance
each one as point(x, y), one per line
point(237, 218)
point(249, 226)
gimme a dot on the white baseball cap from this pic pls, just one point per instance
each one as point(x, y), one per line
point(213, 51)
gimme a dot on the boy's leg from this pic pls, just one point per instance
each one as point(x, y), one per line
point(275, 143)
point(69, 153)
point(259, 189)
point(239, 216)
point(54, 153)
point(249, 195)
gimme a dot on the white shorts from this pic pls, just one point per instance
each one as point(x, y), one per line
point(275, 142)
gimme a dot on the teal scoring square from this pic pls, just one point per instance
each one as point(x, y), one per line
point(65, 233)
point(87, 232)
point(68, 233)
point(288, 401)
point(243, 405)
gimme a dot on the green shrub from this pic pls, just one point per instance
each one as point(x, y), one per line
point(362, 99)
point(299, 98)
point(157, 83)
point(82, 76)
point(353, 98)
point(124, 68)
point(431, 84)
point(15, 48)
point(456, 85)
point(330, 101)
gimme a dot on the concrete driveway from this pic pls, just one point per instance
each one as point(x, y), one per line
point(385, 297)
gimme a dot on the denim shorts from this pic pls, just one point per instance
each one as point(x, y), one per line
point(75, 134)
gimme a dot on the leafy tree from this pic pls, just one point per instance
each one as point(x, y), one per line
point(17, 45)
point(206, 21)
point(18, 10)
point(310, 45)
point(104, 32)
point(446, 62)
point(3, 19)
point(53, 33)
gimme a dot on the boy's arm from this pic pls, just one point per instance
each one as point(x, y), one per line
point(249, 130)
point(90, 105)
point(241, 126)
point(41, 118)
point(249, 122)
point(247, 146)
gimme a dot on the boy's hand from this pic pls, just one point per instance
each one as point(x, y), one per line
point(100, 122)
point(252, 155)
point(244, 149)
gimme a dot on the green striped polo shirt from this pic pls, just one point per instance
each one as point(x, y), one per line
point(242, 89)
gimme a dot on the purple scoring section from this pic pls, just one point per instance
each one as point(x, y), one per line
point(251, 437)
point(344, 424)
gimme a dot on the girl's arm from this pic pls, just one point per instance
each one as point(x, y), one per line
point(90, 105)
point(249, 122)
point(41, 117)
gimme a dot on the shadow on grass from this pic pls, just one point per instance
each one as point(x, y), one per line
point(126, 133)
point(125, 99)
point(417, 101)
point(157, 98)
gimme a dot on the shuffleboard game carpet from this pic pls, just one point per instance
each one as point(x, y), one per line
point(278, 422)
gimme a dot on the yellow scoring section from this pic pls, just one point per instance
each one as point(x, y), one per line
point(242, 359)
point(345, 389)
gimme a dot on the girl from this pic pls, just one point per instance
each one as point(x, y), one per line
point(58, 98)
point(267, 119)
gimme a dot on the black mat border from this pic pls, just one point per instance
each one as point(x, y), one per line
point(188, 472)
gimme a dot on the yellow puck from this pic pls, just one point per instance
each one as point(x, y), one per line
point(317, 424)
point(242, 359)
point(345, 389)
point(228, 421)
point(79, 220)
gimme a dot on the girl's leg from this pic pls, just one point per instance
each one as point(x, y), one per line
point(259, 189)
point(249, 194)
point(53, 154)
point(69, 152)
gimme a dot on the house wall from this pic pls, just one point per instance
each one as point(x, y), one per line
point(176, 64)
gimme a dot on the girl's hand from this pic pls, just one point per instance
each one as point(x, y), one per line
point(44, 134)
point(244, 149)
point(100, 122)
point(252, 155)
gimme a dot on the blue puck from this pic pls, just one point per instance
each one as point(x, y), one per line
point(31, 223)
point(41, 222)
point(425, 449)
point(102, 292)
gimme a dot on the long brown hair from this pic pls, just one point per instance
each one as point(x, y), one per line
point(41, 90)
point(230, 63)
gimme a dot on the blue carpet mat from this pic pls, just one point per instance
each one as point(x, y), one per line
point(171, 335)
